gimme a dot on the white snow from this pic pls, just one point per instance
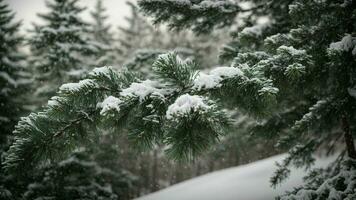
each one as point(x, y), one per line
point(291, 50)
point(101, 71)
point(346, 44)
point(247, 182)
point(75, 87)
point(226, 6)
point(254, 31)
point(214, 78)
point(185, 104)
point(143, 89)
point(110, 103)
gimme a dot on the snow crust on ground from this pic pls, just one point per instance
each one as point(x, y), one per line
point(246, 182)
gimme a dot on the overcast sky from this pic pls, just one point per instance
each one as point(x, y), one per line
point(26, 10)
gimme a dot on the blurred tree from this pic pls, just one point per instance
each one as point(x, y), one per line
point(80, 177)
point(102, 38)
point(59, 47)
point(13, 83)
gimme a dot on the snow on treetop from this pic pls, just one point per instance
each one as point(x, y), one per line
point(346, 44)
point(215, 76)
point(226, 72)
point(75, 87)
point(225, 5)
point(101, 71)
point(185, 104)
point(291, 50)
point(143, 89)
point(110, 103)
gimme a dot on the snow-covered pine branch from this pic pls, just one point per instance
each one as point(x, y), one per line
point(171, 109)
point(202, 16)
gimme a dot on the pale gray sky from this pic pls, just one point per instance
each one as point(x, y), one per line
point(26, 10)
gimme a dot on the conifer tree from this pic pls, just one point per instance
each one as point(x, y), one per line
point(102, 37)
point(11, 63)
point(12, 83)
point(59, 47)
point(80, 177)
point(284, 72)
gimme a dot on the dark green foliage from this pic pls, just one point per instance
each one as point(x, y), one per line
point(11, 72)
point(307, 50)
point(13, 85)
point(46, 137)
point(174, 71)
point(296, 74)
point(59, 47)
point(80, 177)
point(201, 16)
point(335, 182)
point(102, 38)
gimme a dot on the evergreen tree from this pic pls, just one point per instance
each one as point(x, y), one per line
point(59, 47)
point(301, 84)
point(13, 79)
point(79, 177)
point(11, 72)
point(102, 37)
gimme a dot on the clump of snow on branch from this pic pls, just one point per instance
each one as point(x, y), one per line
point(143, 89)
point(291, 51)
point(110, 103)
point(104, 71)
point(185, 104)
point(214, 78)
point(75, 87)
point(346, 44)
point(253, 31)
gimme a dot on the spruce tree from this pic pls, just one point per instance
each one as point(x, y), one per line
point(13, 79)
point(11, 71)
point(102, 38)
point(59, 47)
point(80, 177)
point(296, 73)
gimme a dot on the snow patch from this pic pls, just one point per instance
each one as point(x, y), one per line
point(246, 182)
point(346, 44)
point(185, 104)
point(101, 71)
point(143, 89)
point(75, 87)
point(254, 31)
point(214, 78)
point(291, 50)
point(110, 103)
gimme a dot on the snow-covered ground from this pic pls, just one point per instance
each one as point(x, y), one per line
point(247, 182)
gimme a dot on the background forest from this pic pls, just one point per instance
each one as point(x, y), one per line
point(93, 111)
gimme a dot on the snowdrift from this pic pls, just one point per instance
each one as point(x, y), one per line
point(246, 182)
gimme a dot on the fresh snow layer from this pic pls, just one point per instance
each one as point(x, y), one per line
point(347, 43)
point(185, 104)
point(213, 79)
point(142, 89)
point(247, 182)
point(75, 87)
point(110, 103)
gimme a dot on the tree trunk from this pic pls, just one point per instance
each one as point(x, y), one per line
point(350, 146)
